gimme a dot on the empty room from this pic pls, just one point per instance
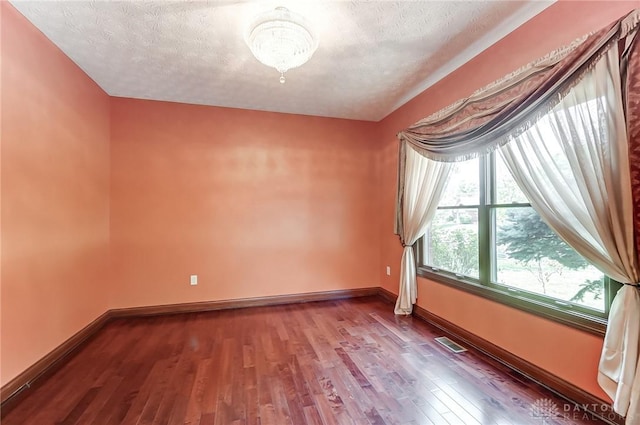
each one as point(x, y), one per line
point(319, 212)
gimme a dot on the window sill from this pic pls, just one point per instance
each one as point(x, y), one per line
point(578, 320)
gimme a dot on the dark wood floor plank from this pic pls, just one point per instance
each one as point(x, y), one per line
point(321, 363)
point(79, 408)
point(106, 390)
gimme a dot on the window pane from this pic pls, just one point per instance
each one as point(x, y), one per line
point(507, 190)
point(452, 242)
point(532, 257)
point(463, 187)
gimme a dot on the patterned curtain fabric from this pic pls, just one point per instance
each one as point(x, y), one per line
point(501, 111)
point(630, 69)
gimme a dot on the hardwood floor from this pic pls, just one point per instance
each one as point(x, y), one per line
point(338, 362)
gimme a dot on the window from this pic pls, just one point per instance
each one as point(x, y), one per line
point(486, 237)
point(453, 235)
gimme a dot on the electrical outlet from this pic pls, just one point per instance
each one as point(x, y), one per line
point(194, 279)
point(388, 270)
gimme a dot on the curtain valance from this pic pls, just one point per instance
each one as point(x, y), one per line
point(503, 110)
point(506, 108)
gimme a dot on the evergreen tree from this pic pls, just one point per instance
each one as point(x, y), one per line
point(530, 241)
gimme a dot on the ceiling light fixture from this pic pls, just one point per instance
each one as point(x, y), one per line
point(282, 40)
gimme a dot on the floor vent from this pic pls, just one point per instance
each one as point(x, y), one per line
point(450, 344)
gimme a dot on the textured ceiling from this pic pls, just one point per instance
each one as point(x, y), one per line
point(373, 56)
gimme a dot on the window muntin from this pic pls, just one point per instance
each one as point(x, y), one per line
point(503, 243)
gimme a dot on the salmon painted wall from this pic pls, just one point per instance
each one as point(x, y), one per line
point(566, 352)
point(254, 203)
point(55, 196)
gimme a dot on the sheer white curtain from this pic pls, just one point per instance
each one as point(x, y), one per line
point(573, 166)
point(424, 182)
